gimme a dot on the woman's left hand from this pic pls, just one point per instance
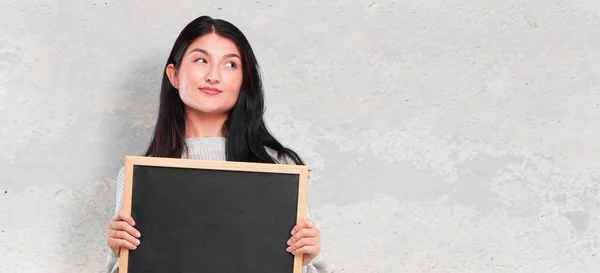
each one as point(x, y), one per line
point(306, 240)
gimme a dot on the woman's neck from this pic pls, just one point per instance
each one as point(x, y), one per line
point(199, 124)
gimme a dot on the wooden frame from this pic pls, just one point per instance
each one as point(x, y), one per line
point(131, 161)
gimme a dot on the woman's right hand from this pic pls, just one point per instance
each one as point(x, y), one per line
point(120, 233)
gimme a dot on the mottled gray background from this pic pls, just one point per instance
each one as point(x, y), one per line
point(445, 136)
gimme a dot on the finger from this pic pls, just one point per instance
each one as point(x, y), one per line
point(305, 223)
point(121, 234)
point(307, 250)
point(120, 225)
point(121, 243)
point(121, 215)
point(303, 242)
point(303, 233)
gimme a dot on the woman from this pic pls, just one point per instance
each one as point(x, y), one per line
point(211, 108)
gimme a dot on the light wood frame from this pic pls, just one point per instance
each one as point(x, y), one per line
point(130, 161)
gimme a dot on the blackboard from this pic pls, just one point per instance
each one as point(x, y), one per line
point(212, 216)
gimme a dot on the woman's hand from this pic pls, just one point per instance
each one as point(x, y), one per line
point(120, 233)
point(306, 240)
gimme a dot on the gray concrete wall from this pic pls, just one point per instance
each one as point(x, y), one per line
point(445, 136)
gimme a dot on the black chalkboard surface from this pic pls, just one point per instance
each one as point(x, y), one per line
point(212, 216)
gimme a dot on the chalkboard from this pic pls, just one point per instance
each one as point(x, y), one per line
point(212, 216)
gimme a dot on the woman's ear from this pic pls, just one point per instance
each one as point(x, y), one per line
point(172, 75)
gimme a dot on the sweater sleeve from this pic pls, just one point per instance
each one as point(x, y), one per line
point(318, 264)
point(112, 261)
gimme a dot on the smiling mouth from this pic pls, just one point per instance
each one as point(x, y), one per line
point(210, 91)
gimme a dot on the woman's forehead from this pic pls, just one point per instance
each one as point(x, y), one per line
point(213, 44)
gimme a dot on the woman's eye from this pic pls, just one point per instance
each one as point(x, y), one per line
point(201, 60)
point(231, 65)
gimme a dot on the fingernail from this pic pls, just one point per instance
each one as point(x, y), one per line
point(293, 231)
point(132, 223)
point(137, 242)
point(134, 247)
point(288, 249)
point(138, 234)
point(289, 241)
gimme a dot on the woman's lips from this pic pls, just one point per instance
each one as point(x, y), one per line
point(210, 90)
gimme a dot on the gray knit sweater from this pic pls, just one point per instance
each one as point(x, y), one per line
point(206, 148)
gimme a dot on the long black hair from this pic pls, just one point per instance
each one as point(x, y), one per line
point(245, 130)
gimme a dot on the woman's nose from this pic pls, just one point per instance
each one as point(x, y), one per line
point(212, 76)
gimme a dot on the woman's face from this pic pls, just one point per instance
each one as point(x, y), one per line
point(210, 75)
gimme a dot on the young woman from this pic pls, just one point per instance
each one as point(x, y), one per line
point(211, 108)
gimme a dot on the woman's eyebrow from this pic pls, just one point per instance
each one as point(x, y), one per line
point(206, 52)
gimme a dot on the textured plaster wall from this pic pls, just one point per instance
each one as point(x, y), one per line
point(445, 136)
